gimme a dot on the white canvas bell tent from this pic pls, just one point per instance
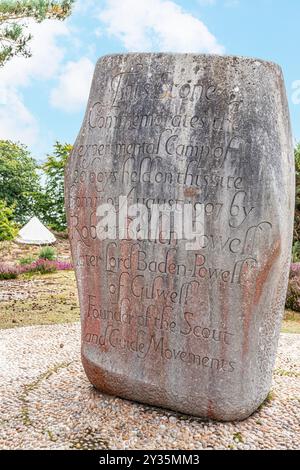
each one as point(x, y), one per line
point(35, 233)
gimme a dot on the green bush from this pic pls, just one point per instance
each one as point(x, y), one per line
point(8, 229)
point(7, 276)
point(296, 252)
point(26, 260)
point(48, 253)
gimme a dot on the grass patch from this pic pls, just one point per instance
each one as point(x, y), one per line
point(89, 440)
point(286, 373)
point(238, 437)
point(268, 400)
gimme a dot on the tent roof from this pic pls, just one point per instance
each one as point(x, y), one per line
point(35, 233)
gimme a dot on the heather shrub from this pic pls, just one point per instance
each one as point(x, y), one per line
point(8, 271)
point(295, 270)
point(42, 266)
point(63, 265)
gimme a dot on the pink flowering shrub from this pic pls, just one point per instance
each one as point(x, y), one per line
point(45, 266)
point(295, 269)
point(8, 271)
point(42, 266)
point(293, 292)
point(63, 265)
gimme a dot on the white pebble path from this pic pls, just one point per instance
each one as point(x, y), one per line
point(46, 402)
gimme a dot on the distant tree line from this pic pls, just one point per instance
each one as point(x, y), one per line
point(28, 188)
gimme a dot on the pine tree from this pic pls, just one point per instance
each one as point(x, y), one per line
point(14, 39)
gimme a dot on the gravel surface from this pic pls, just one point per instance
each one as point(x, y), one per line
point(46, 402)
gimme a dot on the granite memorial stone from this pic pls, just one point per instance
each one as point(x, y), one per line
point(180, 200)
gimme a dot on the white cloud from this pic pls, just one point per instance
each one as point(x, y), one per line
point(207, 2)
point(16, 121)
point(46, 55)
point(73, 86)
point(160, 25)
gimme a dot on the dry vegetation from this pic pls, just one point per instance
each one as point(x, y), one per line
point(42, 300)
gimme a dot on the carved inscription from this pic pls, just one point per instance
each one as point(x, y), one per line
point(179, 201)
point(184, 148)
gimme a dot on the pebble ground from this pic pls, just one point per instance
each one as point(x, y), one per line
point(46, 402)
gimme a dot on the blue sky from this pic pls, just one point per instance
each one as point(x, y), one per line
point(42, 99)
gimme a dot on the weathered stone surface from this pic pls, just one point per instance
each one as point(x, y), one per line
point(188, 327)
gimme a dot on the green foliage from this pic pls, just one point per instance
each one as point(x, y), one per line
point(238, 437)
point(296, 241)
point(267, 401)
point(19, 180)
point(296, 252)
point(6, 275)
point(26, 260)
point(52, 199)
point(8, 229)
point(48, 253)
point(20, 183)
point(297, 158)
point(13, 37)
point(297, 167)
